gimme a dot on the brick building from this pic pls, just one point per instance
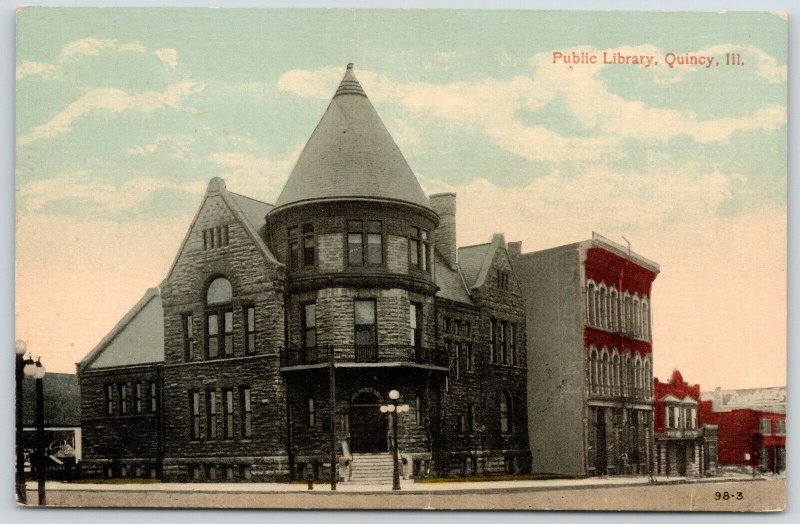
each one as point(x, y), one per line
point(685, 444)
point(354, 275)
point(590, 398)
point(752, 427)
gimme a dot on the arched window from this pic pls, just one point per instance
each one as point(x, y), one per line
point(603, 307)
point(645, 320)
point(506, 409)
point(590, 303)
point(616, 379)
point(592, 370)
point(629, 374)
point(614, 309)
point(638, 376)
point(604, 372)
point(219, 319)
point(628, 314)
point(648, 379)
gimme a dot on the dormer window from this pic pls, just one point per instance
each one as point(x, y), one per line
point(214, 237)
point(419, 248)
point(502, 279)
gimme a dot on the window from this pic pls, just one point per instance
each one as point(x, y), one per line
point(219, 320)
point(780, 427)
point(194, 472)
point(502, 326)
point(211, 414)
point(667, 417)
point(153, 397)
point(415, 325)
point(765, 426)
point(505, 413)
point(211, 472)
point(227, 413)
point(109, 394)
point(446, 321)
point(470, 426)
point(465, 328)
point(309, 325)
point(123, 399)
point(188, 337)
point(214, 237)
point(462, 424)
point(457, 361)
point(308, 245)
point(512, 344)
point(137, 397)
point(693, 418)
point(364, 243)
point(419, 248)
point(468, 364)
point(502, 279)
point(244, 472)
point(228, 472)
point(294, 247)
point(418, 410)
point(493, 340)
point(312, 413)
point(247, 413)
point(194, 409)
point(365, 332)
point(249, 330)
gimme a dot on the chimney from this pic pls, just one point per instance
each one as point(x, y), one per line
point(444, 204)
point(514, 249)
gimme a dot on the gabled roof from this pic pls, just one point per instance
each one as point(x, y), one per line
point(669, 397)
point(475, 261)
point(350, 154)
point(451, 283)
point(136, 339)
point(248, 211)
point(61, 401)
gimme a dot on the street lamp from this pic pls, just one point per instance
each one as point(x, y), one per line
point(20, 348)
point(393, 408)
point(36, 371)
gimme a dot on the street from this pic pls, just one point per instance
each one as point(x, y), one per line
point(763, 494)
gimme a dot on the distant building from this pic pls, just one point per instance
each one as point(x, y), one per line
point(62, 418)
point(752, 426)
point(223, 372)
point(590, 398)
point(685, 445)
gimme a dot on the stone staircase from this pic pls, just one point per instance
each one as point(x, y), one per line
point(372, 468)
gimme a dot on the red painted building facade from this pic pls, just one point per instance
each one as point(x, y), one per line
point(749, 437)
point(685, 443)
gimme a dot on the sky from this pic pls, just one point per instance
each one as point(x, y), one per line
point(123, 116)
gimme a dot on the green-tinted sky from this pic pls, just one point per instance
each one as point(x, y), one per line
point(124, 114)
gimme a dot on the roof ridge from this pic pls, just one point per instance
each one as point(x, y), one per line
point(251, 198)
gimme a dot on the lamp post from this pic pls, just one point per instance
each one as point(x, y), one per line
point(20, 348)
point(393, 408)
point(36, 371)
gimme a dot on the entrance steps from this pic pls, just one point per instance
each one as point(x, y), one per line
point(372, 468)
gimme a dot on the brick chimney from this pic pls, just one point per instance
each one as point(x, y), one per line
point(514, 249)
point(445, 206)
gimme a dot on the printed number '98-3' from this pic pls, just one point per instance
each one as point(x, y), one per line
point(728, 495)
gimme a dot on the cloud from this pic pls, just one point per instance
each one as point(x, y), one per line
point(142, 150)
point(88, 187)
point(496, 106)
point(261, 175)
point(28, 68)
point(109, 100)
point(168, 56)
point(91, 46)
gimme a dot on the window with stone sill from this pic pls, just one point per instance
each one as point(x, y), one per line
point(219, 319)
point(153, 397)
point(194, 410)
point(249, 330)
point(227, 413)
point(505, 413)
point(211, 415)
point(247, 412)
point(109, 399)
point(137, 397)
point(123, 399)
point(187, 322)
point(301, 246)
point(308, 322)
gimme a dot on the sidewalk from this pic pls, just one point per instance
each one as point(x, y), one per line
point(405, 485)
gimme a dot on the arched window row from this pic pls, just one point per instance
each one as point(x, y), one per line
point(608, 308)
point(616, 374)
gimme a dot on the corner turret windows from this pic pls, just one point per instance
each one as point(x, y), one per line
point(309, 322)
point(302, 246)
point(364, 243)
point(419, 249)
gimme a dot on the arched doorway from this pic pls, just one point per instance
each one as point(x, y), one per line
point(368, 430)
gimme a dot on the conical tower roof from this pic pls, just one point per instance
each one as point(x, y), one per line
point(351, 155)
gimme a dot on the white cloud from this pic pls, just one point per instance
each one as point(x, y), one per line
point(495, 106)
point(91, 46)
point(101, 99)
point(261, 175)
point(85, 186)
point(168, 56)
point(142, 150)
point(28, 68)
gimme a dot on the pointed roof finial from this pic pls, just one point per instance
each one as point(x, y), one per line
point(349, 85)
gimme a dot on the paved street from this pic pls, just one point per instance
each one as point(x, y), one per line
point(584, 494)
